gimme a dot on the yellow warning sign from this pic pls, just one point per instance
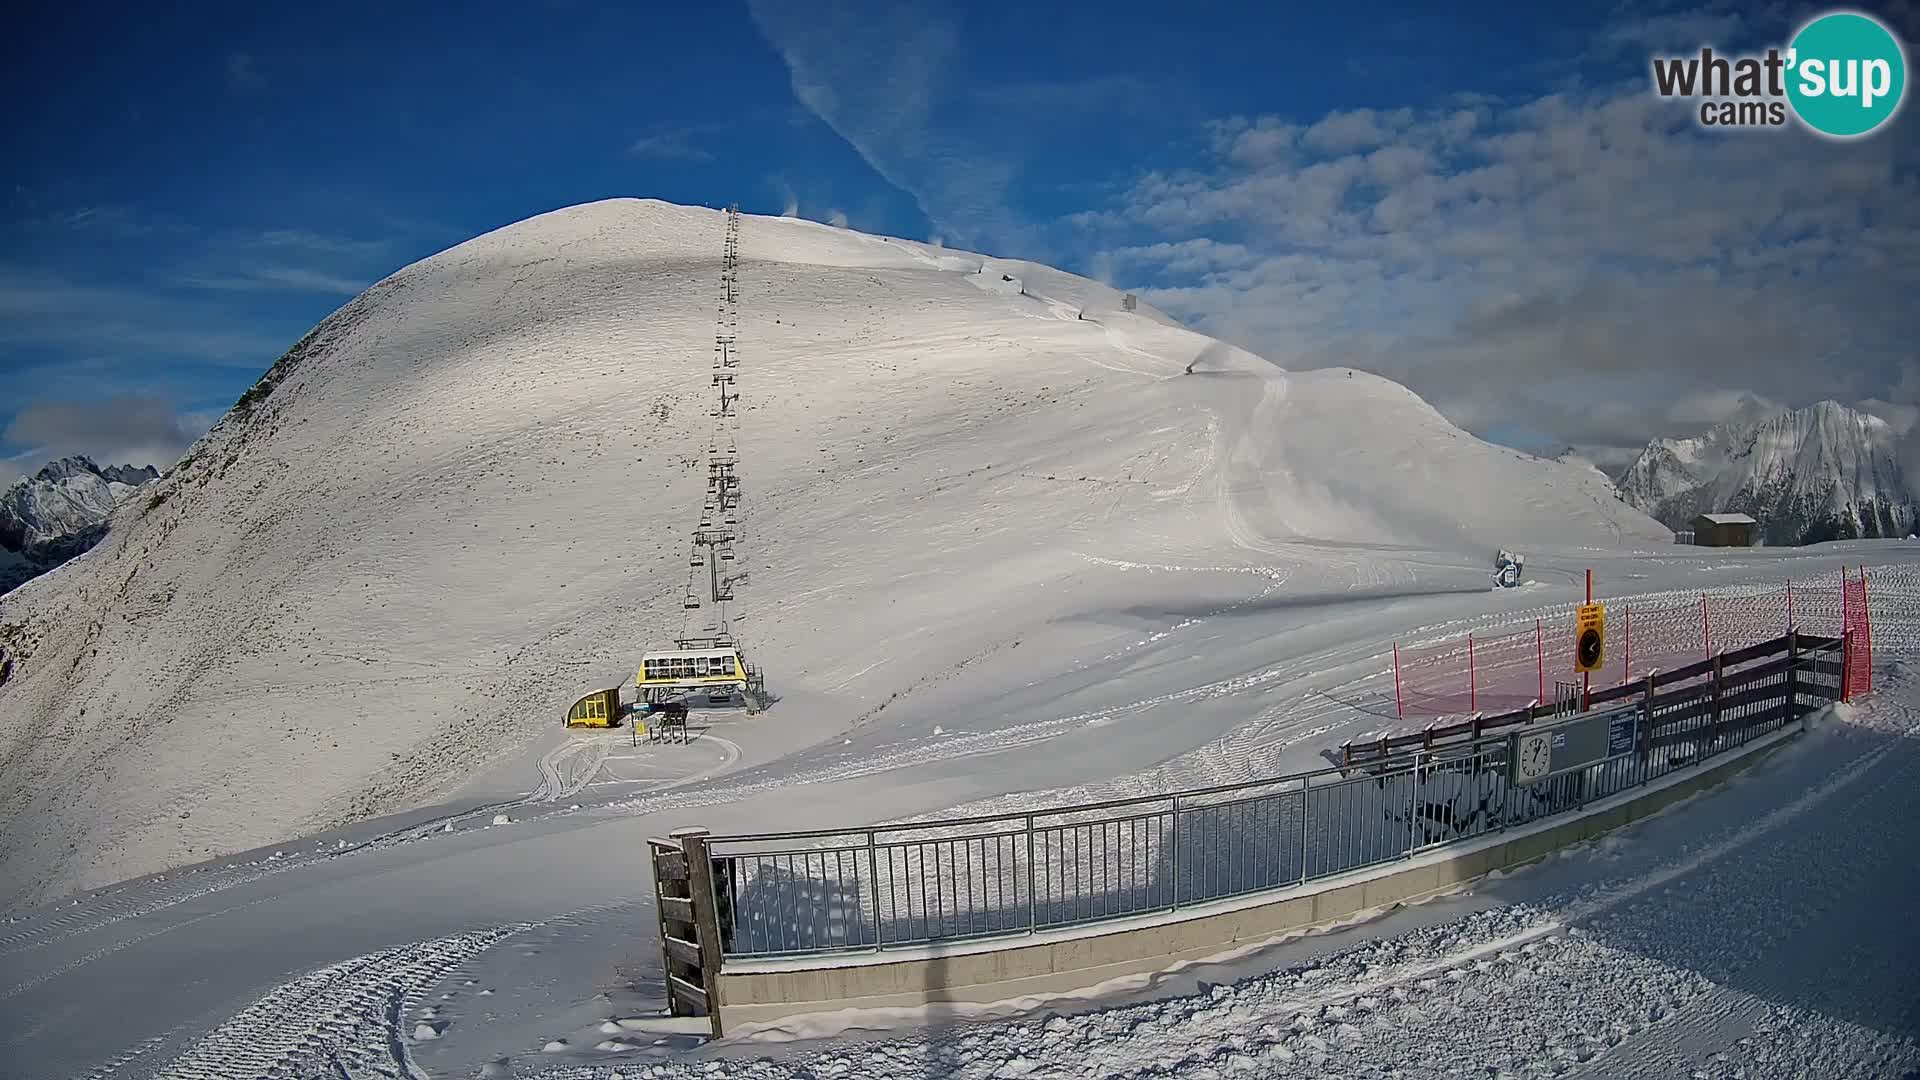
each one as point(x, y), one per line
point(1590, 637)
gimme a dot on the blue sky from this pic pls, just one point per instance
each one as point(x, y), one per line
point(1493, 209)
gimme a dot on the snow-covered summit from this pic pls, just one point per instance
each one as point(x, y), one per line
point(466, 497)
point(64, 497)
point(58, 513)
point(1823, 472)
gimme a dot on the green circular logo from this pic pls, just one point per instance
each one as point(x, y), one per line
point(1847, 74)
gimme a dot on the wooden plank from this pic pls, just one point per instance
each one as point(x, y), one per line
point(1682, 674)
point(671, 866)
point(1616, 693)
point(684, 951)
point(1757, 672)
point(707, 928)
point(1776, 647)
point(677, 909)
point(687, 992)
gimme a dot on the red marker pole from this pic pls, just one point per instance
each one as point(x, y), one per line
point(1866, 627)
point(1586, 677)
point(1540, 659)
point(1472, 701)
point(1706, 626)
point(1626, 626)
point(1399, 705)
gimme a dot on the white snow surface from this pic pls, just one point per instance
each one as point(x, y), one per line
point(467, 499)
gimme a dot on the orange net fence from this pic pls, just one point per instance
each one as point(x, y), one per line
point(1510, 670)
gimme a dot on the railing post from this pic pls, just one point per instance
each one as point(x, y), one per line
point(1646, 733)
point(1846, 663)
point(1175, 858)
point(1413, 806)
point(873, 883)
point(1713, 745)
point(1033, 907)
point(1793, 673)
point(1306, 833)
point(693, 843)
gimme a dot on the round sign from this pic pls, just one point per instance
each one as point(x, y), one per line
point(1589, 646)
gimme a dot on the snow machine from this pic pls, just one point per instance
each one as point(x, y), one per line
point(1507, 570)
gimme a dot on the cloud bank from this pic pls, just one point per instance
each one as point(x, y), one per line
point(1585, 267)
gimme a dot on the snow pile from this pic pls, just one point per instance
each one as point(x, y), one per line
point(467, 497)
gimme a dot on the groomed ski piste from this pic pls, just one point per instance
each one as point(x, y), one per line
point(1005, 551)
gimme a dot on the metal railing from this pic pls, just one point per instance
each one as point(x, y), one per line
point(780, 894)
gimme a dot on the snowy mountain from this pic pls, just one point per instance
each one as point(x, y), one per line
point(60, 512)
point(1825, 472)
point(467, 496)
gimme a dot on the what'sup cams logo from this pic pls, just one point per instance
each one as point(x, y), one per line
point(1844, 75)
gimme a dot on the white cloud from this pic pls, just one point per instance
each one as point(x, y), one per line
point(119, 430)
point(1676, 32)
point(289, 278)
point(669, 146)
point(1357, 129)
point(41, 310)
point(873, 72)
point(1591, 265)
point(306, 240)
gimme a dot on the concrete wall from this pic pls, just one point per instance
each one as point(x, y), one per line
point(1050, 962)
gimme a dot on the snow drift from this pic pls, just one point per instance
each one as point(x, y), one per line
point(467, 495)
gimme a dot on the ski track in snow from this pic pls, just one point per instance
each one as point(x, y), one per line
point(346, 1018)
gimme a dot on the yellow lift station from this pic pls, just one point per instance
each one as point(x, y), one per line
point(714, 664)
point(598, 709)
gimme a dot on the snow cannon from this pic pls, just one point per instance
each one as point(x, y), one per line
point(1508, 569)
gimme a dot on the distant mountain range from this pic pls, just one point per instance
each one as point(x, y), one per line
point(1825, 472)
point(59, 513)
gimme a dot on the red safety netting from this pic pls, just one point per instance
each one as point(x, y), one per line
point(1509, 671)
point(1858, 678)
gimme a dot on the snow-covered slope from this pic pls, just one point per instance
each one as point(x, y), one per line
point(1824, 472)
point(60, 512)
point(467, 496)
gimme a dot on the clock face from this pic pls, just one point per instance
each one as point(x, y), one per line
point(1535, 754)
